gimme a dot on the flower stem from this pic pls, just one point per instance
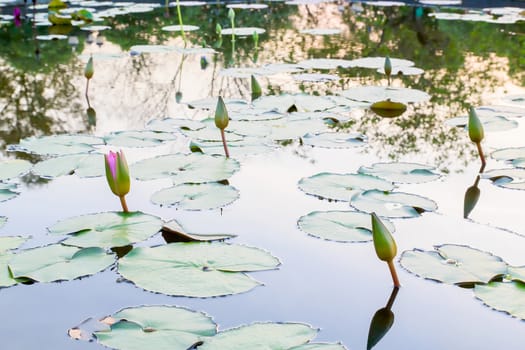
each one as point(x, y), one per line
point(481, 156)
point(87, 87)
point(124, 204)
point(394, 273)
point(224, 144)
point(179, 14)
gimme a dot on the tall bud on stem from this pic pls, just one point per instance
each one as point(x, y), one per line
point(476, 134)
point(385, 246)
point(221, 121)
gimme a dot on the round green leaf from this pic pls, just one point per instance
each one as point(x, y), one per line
point(107, 230)
point(156, 327)
point(196, 196)
point(454, 264)
point(12, 168)
point(238, 149)
point(211, 103)
point(508, 297)
point(340, 226)
point(515, 100)
point(508, 178)
point(247, 6)
point(401, 172)
point(57, 145)
point(195, 269)
point(84, 165)
point(139, 49)
point(392, 204)
point(11, 242)
point(59, 262)
point(211, 133)
point(261, 336)
point(243, 31)
point(380, 93)
point(7, 191)
point(341, 187)
point(397, 70)
point(335, 139)
point(185, 168)
point(144, 138)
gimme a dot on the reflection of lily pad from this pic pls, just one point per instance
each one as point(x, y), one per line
point(195, 269)
point(340, 226)
point(12, 168)
point(83, 165)
point(196, 196)
point(325, 63)
point(392, 204)
point(143, 138)
point(507, 178)
point(57, 145)
point(243, 31)
point(185, 168)
point(509, 154)
point(341, 187)
point(507, 297)
point(59, 262)
point(7, 191)
point(402, 172)
point(319, 346)
point(156, 327)
point(335, 139)
point(261, 336)
point(379, 93)
point(454, 264)
point(107, 230)
point(11, 242)
point(178, 28)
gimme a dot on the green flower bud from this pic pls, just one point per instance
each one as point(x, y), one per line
point(231, 14)
point(388, 66)
point(218, 29)
point(89, 70)
point(475, 128)
point(384, 243)
point(221, 114)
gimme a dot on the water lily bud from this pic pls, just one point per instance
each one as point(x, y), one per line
point(388, 66)
point(475, 128)
point(386, 248)
point(255, 37)
point(231, 14)
point(256, 88)
point(117, 173)
point(89, 70)
point(218, 29)
point(221, 114)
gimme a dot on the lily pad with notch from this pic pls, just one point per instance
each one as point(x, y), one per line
point(11, 242)
point(335, 139)
point(172, 231)
point(325, 63)
point(144, 138)
point(380, 93)
point(107, 230)
point(340, 226)
point(12, 168)
point(83, 165)
point(195, 269)
point(508, 297)
point(174, 124)
point(57, 145)
point(454, 264)
point(513, 178)
point(204, 196)
point(402, 172)
point(392, 204)
point(489, 122)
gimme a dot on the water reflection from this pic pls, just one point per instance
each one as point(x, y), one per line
point(382, 321)
point(471, 198)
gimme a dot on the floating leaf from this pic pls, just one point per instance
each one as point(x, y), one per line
point(107, 230)
point(509, 154)
point(504, 111)
point(51, 37)
point(508, 178)
point(319, 346)
point(243, 31)
point(340, 226)
point(379, 93)
point(211, 104)
point(57, 145)
point(454, 264)
point(247, 6)
point(399, 70)
point(143, 138)
point(157, 327)
point(401, 172)
point(7, 191)
point(516, 273)
point(139, 49)
point(247, 146)
point(195, 269)
point(315, 77)
point(11, 242)
point(298, 103)
point(185, 168)
point(261, 336)
point(175, 230)
point(83, 165)
point(12, 168)
point(490, 123)
point(174, 124)
point(325, 63)
point(508, 297)
point(196, 196)
point(211, 134)
point(335, 140)
point(341, 187)
point(6, 280)
point(392, 204)
point(178, 28)
point(58, 262)
point(321, 31)
point(515, 100)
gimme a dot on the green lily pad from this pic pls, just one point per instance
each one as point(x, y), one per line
point(489, 122)
point(517, 273)
point(392, 204)
point(211, 104)
point(185, 168)
point(83, 165)
point(157, 327)
point(178, 28)
point(507, 297)
point(196, 196)
point(325, 63)
point(454, 264)
point(380, 93)
point(7, 191)
point(195, 269)
point(107, 230)
point(261, 336)
point(504, 111)
point(51, 37)
point(401, 172)
point(243, 31)
point(315, 77)
point(143, 138)
point(341, 187)
point(173, 228)
point(238, 149)
point(340, 226)
point(211, 133)
point(299, 102)
point(321, 31)
point(507, 178)
point(174, 124)
point(335, 139)
point(319, 346)
point(57, 145)
point(379, 62)
point(11, 242)
point(509, 154)
point(58, 262)
point(188, 3)
point(12, 168)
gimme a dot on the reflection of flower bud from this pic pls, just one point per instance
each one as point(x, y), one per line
point(204, 62)
point(17, 14)
point(117, 173)
point(221, 114)
point(388, 66)
point(384, 243)
point(89, 70)
point(218, 29)
point(379, 326)
point(475, 128)
point(256, 88)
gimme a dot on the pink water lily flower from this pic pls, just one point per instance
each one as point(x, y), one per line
point(117, 174)
point(17, 14)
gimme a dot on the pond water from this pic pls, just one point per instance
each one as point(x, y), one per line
point(468, 58)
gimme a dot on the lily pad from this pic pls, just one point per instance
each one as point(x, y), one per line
point(516, 273)
point(195, 269)
point(185, 168)
point(174, 124)
point(83, 165)
point(107, 230)
point(158, 327)
point(321, 31)
point(12, 168)
point(196, 196)
point(379, 62)
point(51, 37)
point(315, 77)
point(388, 109)
point(173, 228)
point(397, 70)
point(211, 133)
point(379, 93)
point(341, 187)
point(58, 262)
point(261, 336)
point(509, 154)
point(7, 191)
point(139, 49)
point(401, 172)
point(335, 139)
point(11, 242)
point(319, 346)
point(6, 280)
point(299, 102)
point(504, 111)
point(325, 63)
point(454, 264)
point(490, 122)
point(515, 100)
point(247, 146)
point(57, 145)
point(507, 297)
point(247, 6)
point(3, 220)
point(508, 178)
point(243, 31)
point(392, 204)
point(340, 226)
point(143, 138)
point(178, 28)
point(211, 104)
